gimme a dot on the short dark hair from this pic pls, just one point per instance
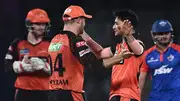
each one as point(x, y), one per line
point(127, 14)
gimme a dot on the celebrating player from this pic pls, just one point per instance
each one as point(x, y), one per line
point(124, 80)
point(70, 53)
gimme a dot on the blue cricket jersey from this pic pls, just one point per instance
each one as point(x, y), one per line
point(165, 73)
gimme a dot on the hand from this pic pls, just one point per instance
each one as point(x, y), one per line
point(26, 59)
point(125, 52)
point(27, 64)
point(37, 63)
point(126, 29)
point(85, 36)
point(23, 66)
point(47, 68)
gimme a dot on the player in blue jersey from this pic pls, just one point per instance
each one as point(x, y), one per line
point(162, 62)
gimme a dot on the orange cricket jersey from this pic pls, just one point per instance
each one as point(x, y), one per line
point(68, 72)
point(36, 80)
point(124, 79)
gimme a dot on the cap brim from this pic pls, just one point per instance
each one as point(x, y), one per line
point(88, 16)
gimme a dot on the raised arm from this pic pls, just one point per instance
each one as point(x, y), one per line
point(97, 49)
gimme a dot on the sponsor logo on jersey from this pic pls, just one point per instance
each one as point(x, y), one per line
point(24, 51)
point(163, 70)
point(55, 46)
point(83, 52)
point(152, 60)
point(81, 43)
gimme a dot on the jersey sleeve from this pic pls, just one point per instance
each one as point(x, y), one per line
point(11, 55)
point(83, 52)
point(144, 67)
point(142, 44)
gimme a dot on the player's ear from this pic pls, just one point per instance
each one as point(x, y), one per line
point(78, 20)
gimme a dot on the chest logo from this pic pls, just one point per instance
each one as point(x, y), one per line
point(163, 70)
point(24, 51)
point(55, 46)
point(170, 57)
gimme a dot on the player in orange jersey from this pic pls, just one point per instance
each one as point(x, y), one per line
point(124, 81)
point(27, 58)
point(69, 54)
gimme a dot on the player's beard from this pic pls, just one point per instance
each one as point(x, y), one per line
point(36, 35)
point(81, 29)
point(164, 44)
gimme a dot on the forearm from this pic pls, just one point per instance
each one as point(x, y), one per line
point(141, 85)
point(142, 80)
point(98, 50)
point(136, 47)
point(109, 62)
point(94, 46)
